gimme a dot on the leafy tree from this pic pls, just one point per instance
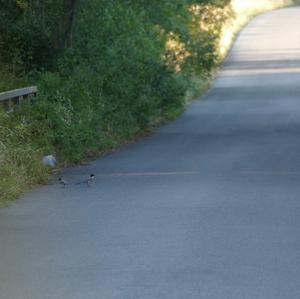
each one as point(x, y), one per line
point(107, 69)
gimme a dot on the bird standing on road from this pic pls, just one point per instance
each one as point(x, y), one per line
point(62, 182)
point(88, 181)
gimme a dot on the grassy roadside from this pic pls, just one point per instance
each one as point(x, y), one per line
point(20, 160)
point(21, 154)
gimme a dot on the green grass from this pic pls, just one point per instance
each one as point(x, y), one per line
point(20, 161)
point(21, 169)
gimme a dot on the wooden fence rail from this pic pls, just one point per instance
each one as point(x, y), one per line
point(14, 97)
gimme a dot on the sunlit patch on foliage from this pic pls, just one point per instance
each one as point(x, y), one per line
point(176, 52)
point(244, 10)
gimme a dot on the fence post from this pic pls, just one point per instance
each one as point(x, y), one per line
point(14, 97)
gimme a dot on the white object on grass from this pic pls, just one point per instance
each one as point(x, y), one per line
point(49, 161)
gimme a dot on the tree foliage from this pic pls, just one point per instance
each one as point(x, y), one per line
point(107, 69)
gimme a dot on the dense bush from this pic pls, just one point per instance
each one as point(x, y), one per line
point(113, 74)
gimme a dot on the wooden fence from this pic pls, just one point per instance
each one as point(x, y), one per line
point(14, 97)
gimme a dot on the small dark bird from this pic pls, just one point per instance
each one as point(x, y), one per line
point(62, 182)
point(88, 181)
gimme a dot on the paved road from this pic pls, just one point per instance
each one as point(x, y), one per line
point(206, 208)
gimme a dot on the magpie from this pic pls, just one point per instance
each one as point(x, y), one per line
point(62, 182)
point(88, 181)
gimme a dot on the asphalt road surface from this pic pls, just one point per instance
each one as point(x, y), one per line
point(208, 207)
